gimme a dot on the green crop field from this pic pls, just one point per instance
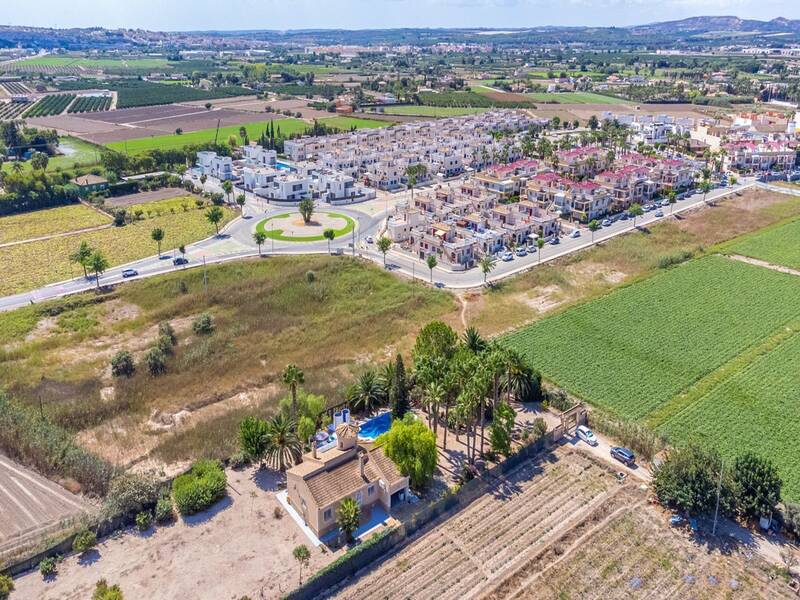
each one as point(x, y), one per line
point(347, 123)
point(432, 111)
point(779, 245)
point(655, 349)
point(576, 98)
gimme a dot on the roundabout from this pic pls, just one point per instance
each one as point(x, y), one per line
point(290, 227)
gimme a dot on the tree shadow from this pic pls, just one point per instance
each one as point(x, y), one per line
point(89, 557)
point(268, 480)
point(208, 514)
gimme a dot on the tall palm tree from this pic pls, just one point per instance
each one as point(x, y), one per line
point(520, 380)
point(487, 264)
point(283, 446)
point(435, 394)
point(98, 263)
point(366, 392)
point(292, 377)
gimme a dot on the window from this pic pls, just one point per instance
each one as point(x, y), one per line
point(327, 515)
point(370, 490)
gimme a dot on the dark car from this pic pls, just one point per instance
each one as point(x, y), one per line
point(129, 273)
point(180, 260)
point(623, 455)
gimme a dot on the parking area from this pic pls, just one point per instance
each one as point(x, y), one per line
point(32, 507)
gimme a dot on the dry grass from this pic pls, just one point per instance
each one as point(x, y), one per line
point(51, 221)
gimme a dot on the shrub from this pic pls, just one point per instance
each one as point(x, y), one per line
point(669, 260)
point(164, 512)
point(790, 516)
point(203, 324)
point(119, 217)
point(156, 362)
point(412, 447)
point(85, 540)
point(122, 364)
point(129, 493)
point(164, 344)
point(48, 566)
point(103, 591)
point(277, 513)
point(144, 520)
point(311, 277)
point(6, 586)
point(238, 460)
point(560, 400)
point(166, 330)
point(203, 486)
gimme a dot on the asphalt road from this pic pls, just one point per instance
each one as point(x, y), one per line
point(236, 242)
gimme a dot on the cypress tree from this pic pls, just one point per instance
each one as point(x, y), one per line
point(399, 390)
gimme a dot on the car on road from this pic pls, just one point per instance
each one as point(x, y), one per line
point(586, 434)
point(576, 233)
point(555, 241)
point(531, 248)
point(521, 251)
point(507, 256)
point(623, 217)
point(659, 213)
point(606, 223)
point(623, 455)
point(370, 239)
point(180, 260)
point(129, 273)
point(665, 202)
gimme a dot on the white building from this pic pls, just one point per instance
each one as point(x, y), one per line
point(213, 165)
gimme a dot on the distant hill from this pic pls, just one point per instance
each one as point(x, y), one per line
point(697, 25)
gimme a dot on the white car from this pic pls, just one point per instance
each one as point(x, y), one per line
point(507, 256)
point(586, 434)
point(576, 233)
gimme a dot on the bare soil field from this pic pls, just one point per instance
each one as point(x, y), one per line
point(236, 548)
point(32, 507)
point(582, 112)
point(562, 527)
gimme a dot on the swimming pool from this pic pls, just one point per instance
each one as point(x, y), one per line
point(375, 426)
point(283, 166)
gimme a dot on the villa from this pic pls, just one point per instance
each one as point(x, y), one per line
point(347, 469)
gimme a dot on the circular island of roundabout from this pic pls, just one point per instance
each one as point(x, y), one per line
point(290, 227)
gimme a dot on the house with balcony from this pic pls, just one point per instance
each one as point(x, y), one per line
point(753, 157)
point(212, 165)
point(627, 185)
point(257, 156)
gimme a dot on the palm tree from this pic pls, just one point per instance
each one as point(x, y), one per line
point(705, 187)
point(283, 446)
point(672, 198)
point(635, 210)
point(593, 226)
point(366, 392)
point(520, 379)
point(227, 187)
point(259, 237)
point(81, 256)
point(158, 236)
point(435, 394)
point(487, 264)
point(540, 245)
point(473, 340)
point(413, 173)
point(292, 377)
point(214, 215)
point(431, 262)
point(98, 263)
point(329, 234)
point(240, 201)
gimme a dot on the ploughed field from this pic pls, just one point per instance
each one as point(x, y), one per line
point(672, 349)
point(563, 513)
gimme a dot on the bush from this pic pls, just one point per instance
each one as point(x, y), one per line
point(164, 512)
point(166, 330)
point(103, 591)
point(85, 540)
point(122, 364)
point(129, 493)
point(790, 517)
point(635, 436)
point(238, 461)
point(669, 260)
point(48, 566)
point(164, 344)
point(560, 400)
point(203, 486)
point(203, 324)
point(6, 586)
point(144, 520)
point(119, 217)
point(156, 362)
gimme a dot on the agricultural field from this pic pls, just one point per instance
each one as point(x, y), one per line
point(15, 87)
point(75, 153)
point(28, 266)
point(84, 104)
point(576, 98)
point(348, 123)
point(488, 99)
point(51, 221)
point(266, 314)
point(779, 245)
point(560, 527)
point(133, 92)
point(432, 111)
point(50, 105)
point(12, 110)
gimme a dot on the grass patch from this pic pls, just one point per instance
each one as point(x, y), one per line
point(28, 266)
point(348, 123)
point(76, 153)
point(50, 221)
point(432, 111)
point(277, 234)
point(576, 98)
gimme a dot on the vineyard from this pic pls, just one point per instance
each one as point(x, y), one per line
point(472, 100)
point(777, 245)
point(15, 88)
point(85, 104)
point(12, 110)
point(50, 105)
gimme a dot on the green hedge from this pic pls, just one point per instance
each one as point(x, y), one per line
point(200, 488)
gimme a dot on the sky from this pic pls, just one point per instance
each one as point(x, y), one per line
point(186, 15)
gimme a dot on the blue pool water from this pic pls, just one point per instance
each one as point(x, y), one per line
point(283, 166)
point(376, 426)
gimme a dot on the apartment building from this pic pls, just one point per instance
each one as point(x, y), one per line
point(257, 156)
point(213, 165)
point(751, 157)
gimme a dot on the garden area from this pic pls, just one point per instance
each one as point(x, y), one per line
point(291, 227)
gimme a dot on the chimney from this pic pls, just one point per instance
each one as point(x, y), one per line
point(362, 459)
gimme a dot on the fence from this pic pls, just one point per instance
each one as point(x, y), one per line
point(392, 540)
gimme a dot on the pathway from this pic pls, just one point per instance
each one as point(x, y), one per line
point(762, 263)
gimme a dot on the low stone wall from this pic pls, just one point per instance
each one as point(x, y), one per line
point(391, 541)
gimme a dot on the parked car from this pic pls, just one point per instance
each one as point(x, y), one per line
point(665, 202)
point(521, 251)
point(129, 273)
point(623, 217)
point(180, 260)
point(531, 248)
point(659, 213)
point(586, 434)
point(623, 455)
point(507, 256)
point(576, 233)
point(370, 239)
point(555, 241)
point(605, 223)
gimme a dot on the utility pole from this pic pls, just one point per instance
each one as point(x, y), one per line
point(719, 490)
point(205, 275)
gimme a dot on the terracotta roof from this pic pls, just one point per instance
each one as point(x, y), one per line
point(344, 480)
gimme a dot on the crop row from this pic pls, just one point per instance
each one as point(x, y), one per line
point(469, 99)
point(777, 245)
point(11, 110)
point(84, 104)
point(15, 87)
point(50, 105)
